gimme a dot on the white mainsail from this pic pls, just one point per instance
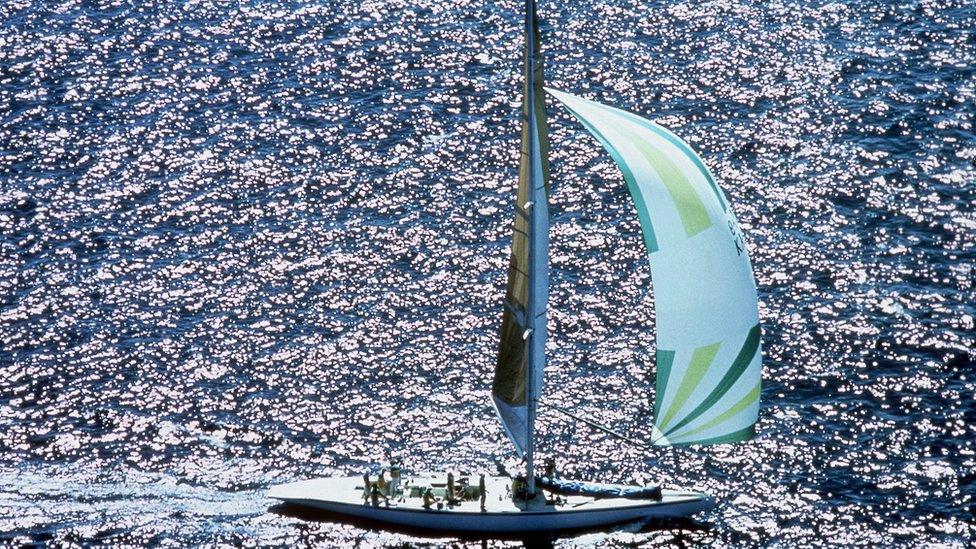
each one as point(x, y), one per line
point(708, 350)
point(521, 355)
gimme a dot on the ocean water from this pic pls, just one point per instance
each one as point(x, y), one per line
point(244, 243)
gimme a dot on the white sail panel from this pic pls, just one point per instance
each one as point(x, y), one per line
point(708, 350)
point(515, 421)
point(518, 377)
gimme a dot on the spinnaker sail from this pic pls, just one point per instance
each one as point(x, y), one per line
point(521, 354)
point(709, 360)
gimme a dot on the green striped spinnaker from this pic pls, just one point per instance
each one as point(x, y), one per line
point(709, 359)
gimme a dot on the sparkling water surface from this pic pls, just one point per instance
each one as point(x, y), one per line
point(244, 243)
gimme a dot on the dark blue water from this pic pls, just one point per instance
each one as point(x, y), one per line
point(242, 245)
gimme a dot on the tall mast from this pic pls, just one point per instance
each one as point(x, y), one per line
point(522, 340)
point(534, 109)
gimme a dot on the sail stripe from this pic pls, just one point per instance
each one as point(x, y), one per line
point(735, 436)
point(739, 365)
point(682, 146)
point(701, 359)
point(637, 196)
point(694, 216)
point(665, 359)
point(736, 408)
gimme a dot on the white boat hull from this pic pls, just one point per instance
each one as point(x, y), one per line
point(501, 514)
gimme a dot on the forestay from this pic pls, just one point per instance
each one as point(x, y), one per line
point(708, 349)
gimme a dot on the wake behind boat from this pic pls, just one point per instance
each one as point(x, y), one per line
point(708, 357)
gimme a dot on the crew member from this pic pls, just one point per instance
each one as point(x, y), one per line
point(482, 491)
point(518, 487)
point(394, 479)
point(450, 486)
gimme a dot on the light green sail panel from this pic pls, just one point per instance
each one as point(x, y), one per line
point(709, 360)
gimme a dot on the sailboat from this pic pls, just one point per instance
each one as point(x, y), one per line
point(708, 357)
